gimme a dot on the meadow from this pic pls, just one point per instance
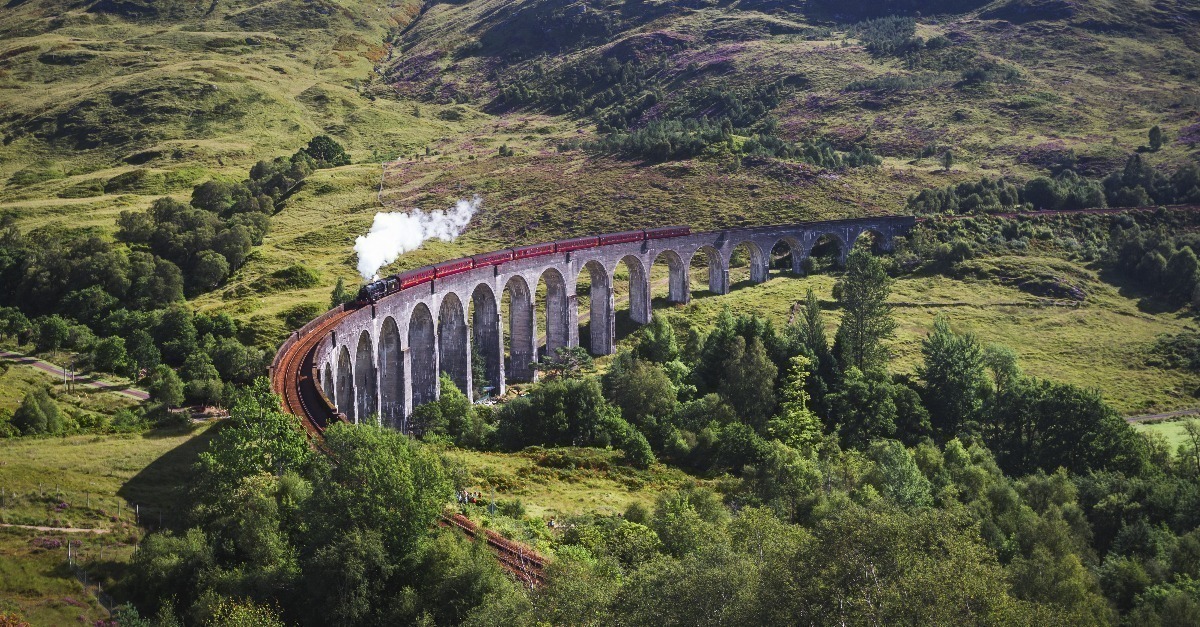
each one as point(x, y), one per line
point(123, 484)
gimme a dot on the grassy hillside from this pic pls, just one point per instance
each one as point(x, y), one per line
point(1103, 342)
point(91, 482)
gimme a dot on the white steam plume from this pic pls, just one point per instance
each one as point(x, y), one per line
point(393, 234)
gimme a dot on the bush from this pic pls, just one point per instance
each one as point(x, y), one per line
point(327, 152)
point(38, 414)
point(299, 315)
point(296, 276)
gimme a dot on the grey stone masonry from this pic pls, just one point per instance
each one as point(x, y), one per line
point(384, 359)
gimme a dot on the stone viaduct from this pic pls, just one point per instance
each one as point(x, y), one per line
point(383, 359)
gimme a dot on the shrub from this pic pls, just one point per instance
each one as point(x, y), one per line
point(300, 315)
point(327, 152)
point(296, 276)
point(38, 414)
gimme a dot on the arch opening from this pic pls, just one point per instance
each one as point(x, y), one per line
point(454, 350)
point(487, 346)
point(747, 264)
point(828, 253)
point(364, 380)
point(345, 385)
point(786, 256)
point(391, 376)
point(707, 272)
point(520, 339)
point(327, 382)
point(423, 356)
point(873, 242)
point(668, 268)
point(631, 278)
point(594, 295)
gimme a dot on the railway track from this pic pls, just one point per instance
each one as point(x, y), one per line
point(293, 377)
point(519, 560)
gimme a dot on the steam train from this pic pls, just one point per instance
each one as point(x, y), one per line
point(376, 290)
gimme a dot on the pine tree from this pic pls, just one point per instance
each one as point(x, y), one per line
point(867, 321)
point(339, 294)
point(954, 376)
point(796, 425)
point(1156, 138)
point(749, 381)
point(812, 326)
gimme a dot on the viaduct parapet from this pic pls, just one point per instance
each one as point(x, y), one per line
point(383, 359)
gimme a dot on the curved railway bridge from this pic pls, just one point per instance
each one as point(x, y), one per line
point(380, 356)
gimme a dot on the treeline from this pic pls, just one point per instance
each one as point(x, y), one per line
point(722, 121)
point(668, 140)
point(182, 358)
point(1136, 185)
point(1159, 261)
point(209, 239)
point(614, 92)
point(120, 306)
point(1153, 250)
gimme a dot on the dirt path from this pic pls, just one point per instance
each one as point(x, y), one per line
point(56, 529)
point(86, 381)
point(1179, 413)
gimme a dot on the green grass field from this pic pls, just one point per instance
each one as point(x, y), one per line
point(1170, 430)
point(1100, 343)
point(111, 482)
point(558, 482)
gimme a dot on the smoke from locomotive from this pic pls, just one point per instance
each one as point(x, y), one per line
point(395, 233)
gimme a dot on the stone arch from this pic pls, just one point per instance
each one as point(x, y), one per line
point(522, 330)
point(677, 276)
point(879, 244)
point(830, 244)
point(423, 355)
point(601, 319)
point(486, 337)
point(759, 271)
point(787, 253)
point(639, 289)
point(391, 375)
point(366, 393)
point(454, 347)
point(327, 382)
point(718, 271)
point(558, 313)
point(345, 384)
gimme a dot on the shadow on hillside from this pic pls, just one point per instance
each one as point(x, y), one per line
point(1130, 288)
point(161, 490)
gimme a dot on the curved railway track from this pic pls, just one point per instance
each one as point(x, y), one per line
point(293, 377)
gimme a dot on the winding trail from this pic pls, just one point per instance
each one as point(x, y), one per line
point(1179, 413)
point(86, 381)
